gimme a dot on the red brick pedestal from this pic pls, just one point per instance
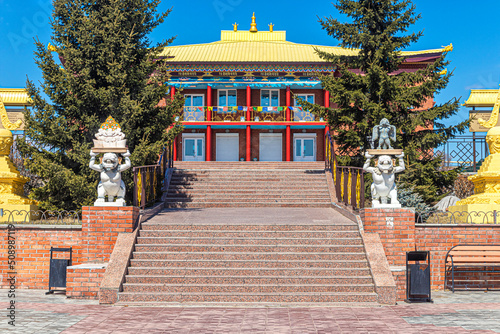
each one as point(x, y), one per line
point(83, 280)
point(100, 228)
point(396, 228)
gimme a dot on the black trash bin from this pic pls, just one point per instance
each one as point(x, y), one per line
point(57, 269)
point(418, 277)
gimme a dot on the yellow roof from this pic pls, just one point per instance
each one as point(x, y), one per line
point(482, 98)
point(261, 47)
point(14, 97)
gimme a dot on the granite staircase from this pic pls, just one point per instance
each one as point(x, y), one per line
point(248, 184)
point(240, 264)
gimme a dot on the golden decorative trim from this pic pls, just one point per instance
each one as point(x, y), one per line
point(494, 115)
point(139, 188)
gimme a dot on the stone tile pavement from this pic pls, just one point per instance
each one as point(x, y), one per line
point(462, 312)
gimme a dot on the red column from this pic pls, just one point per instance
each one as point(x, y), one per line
point(208, 153)
point(209, 103)
point(327, 105)
point(249, 103)
point(175, 149)
point(172, 95)
point(288, 104)
point(249, 131)
point(288, 139)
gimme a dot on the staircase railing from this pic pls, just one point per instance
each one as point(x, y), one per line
point(349, 181)
point(151, 181)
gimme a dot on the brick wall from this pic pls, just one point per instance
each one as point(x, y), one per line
point(33, 253)
point(91, 242)
point(83, 281)
point(399, 234)
point(440, 238)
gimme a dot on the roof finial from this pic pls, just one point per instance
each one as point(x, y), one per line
point(235, 27)
point(271, 26)
point(253, 26)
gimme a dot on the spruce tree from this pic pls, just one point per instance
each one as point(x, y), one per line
point(369, 87)
point(108, 67)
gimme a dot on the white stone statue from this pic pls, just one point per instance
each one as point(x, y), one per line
point(111, 184)
point(383, 188)
point(384, 133)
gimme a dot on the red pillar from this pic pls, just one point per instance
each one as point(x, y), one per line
point(175, 149)
point(327, 105)
point(249, 103)
point(208, 153)
point(249, 131)
point(288, 139)
point(172, 95)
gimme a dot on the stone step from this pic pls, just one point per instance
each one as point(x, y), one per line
point(270, 272)
point(247, 234)
point(248, 248)
point(187, 205)
point(247, 279)
point(271, 227)
point(264, 256)
point(244, 288)
point(250, 199)
point(305, 297)
point(222, 263)
point(172, 241)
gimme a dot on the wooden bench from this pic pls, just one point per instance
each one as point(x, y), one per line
point(475, 258)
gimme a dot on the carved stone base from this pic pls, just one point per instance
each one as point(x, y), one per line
point(386, 206)
point(119, 202)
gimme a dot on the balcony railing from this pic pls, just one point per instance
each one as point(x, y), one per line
point(239, 114)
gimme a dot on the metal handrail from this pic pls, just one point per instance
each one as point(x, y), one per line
point(349, 181)
point(149, 181)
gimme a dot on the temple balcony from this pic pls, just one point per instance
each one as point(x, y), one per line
point(247, 114)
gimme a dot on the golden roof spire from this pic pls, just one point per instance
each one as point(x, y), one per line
point(235, 27)
point(253, 26)
point(271, 26)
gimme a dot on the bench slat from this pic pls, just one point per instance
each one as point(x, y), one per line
point(484, 247)
point(474, 253)
point(476, 260)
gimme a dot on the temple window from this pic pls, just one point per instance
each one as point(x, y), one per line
point(227, 98)
point(270, 97)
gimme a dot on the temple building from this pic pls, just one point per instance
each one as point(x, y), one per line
point(240, 96)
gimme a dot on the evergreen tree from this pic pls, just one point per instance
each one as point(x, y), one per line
point(370, 88)
point(109, 68)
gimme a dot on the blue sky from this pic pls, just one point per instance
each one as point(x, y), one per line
point(472, 27)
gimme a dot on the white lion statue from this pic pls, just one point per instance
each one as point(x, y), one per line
point(383, 187)
point(111, 184)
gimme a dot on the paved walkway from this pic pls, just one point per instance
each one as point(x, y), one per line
point(462, 312)
point(257, 216)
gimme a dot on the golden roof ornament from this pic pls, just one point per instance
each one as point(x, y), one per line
point(235, 27)
point(253, 26)
point(51, 48)
point(271, 26)
point(110, 124)
point(448, 48)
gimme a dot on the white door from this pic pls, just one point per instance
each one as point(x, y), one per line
point(270, 147)
point(304, 147)
point(227, 146)
point(193, 147)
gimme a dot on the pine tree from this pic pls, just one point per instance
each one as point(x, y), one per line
point(370, 88)
point(109, 68)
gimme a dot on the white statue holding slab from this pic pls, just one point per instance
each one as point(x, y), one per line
point(383, 189)
point(110, 141)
